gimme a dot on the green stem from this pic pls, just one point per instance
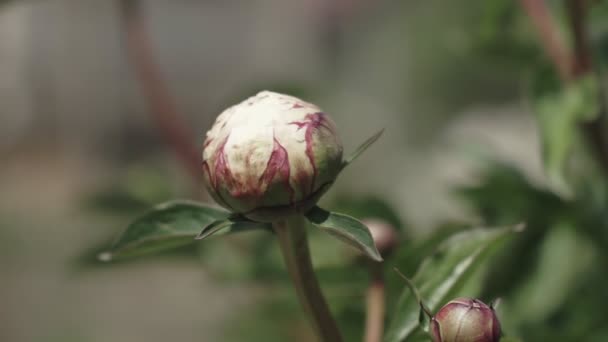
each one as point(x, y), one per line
point(294, 246)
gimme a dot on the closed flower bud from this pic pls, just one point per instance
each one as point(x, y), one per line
point(271, 156)
point(465, 320)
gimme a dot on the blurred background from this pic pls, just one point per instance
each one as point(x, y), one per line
point(104, 105)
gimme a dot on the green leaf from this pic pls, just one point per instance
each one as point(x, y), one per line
point(230, 226)
point(409, 256)
point(166, 226)
point(556, 276)
point(503, 195)
point(361, 148)
point(347, 229)
point(442, 273)
point(560, 113)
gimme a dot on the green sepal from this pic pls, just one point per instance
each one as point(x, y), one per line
point(425, 315)
point(233, 224)
point(364, 146)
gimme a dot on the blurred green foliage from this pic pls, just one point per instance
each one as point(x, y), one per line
point(139, 188)
point(551, 277)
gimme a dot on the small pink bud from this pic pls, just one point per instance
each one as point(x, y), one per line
point(271, 156)
point(465, 320)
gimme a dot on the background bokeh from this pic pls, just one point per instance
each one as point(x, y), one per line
point(103, 103)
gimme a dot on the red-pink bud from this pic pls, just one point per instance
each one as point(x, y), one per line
point(271, 156)
point(465, 320)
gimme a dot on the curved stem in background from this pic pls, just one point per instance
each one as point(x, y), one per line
point(375, 306)
point(293, 241)
point(162, 106)
point(550, 37)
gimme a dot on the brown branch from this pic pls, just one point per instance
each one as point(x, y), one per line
point(161, 105)
point(549, 36)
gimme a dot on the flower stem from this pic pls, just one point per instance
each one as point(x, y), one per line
point(374, 321)
point(294, 246)
point(550, 36)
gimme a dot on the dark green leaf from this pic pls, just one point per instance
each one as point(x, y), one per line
point(347, 229)
point(503, 195)
point(361, 148)
point(168, 225)
point(441, 274)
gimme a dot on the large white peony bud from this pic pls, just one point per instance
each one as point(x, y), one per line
point(271, 156)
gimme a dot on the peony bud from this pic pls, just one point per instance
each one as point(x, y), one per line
point(271, 156)
point(465, 320)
